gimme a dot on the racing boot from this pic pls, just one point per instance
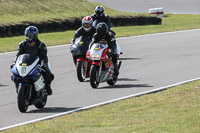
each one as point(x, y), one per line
point(49, 90)
point(116, 70)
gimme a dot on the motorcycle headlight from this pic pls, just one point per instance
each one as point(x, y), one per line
point(95, 57)
point(80, 43)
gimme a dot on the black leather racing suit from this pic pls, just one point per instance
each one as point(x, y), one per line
point(103, 18)
point(111, 41)
point(82, 32)
point(40, 50)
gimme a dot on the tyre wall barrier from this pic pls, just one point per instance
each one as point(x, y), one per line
point(64, 25)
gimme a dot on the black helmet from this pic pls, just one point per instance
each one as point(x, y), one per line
point(102, 29)
point(31, 34)
point(99, 10)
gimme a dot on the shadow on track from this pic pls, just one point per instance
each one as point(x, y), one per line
point(130, 58)
point(120, 79)
point(1, 85)
point(126, 79)
point(121, 86)
point(124, 85)
point(51, 110)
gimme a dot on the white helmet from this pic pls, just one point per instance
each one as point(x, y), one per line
point(87, 23)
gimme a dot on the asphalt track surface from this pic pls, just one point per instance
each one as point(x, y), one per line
point(170, 6)
point(149, 62)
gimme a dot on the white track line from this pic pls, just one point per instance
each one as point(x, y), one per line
point(99, 104)
point(164, 33)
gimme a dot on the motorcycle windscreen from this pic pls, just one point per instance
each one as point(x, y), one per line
point(27, 59)
point(97, 50)
point(26, 63)
point(81, 45)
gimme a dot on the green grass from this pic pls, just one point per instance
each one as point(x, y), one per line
point(170, 23)
point(21, 11)
point(174, 110)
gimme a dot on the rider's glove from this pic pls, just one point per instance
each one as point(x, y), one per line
point(112, 52)
point(72, 41)
point(43, 64)
point(11, 66)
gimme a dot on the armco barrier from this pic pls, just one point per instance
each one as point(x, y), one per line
point(63, 25)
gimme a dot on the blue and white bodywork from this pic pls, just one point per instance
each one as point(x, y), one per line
point(29, 82)
point(27, 69)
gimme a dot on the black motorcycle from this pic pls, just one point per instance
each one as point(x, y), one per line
point(79, 50)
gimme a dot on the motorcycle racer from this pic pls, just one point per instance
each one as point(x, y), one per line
point(105, 36)
point(86, 30)
point(100, 16)
point(32, 45)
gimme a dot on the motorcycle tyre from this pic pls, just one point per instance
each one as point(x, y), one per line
point(21, 99)
point(93, 73)
point(80, 75)
point(112, 81)
point(42, 103)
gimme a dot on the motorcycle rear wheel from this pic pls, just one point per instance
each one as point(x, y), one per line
point(22, 99)
point(112, 81)
point(94, 79)
point(42, 103)
point(81, 71)
point(114, 78)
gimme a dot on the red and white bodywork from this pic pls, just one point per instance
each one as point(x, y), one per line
point(102, 68)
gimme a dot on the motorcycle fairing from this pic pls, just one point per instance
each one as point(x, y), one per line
point(14, 70)
point(80, 46)
point(81, 59)
point(97, 50)
point(24, 65)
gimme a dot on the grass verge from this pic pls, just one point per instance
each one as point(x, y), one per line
point(174, 110)
point(170, 23)
point(21, 11)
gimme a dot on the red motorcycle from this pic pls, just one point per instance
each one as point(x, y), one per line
point(102, 68)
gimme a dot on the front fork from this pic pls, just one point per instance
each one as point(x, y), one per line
point(28, 90)
point(100, 68)
point(84, 60)
point(16, 86)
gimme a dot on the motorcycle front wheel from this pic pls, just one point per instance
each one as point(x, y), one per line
point(22, 99)
point(81, 71)
point(94, 76)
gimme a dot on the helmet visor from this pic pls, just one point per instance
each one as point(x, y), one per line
point(101, 32)
point(87, 25)
point(98, 12)
point(30, 37)
point(30, 40)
